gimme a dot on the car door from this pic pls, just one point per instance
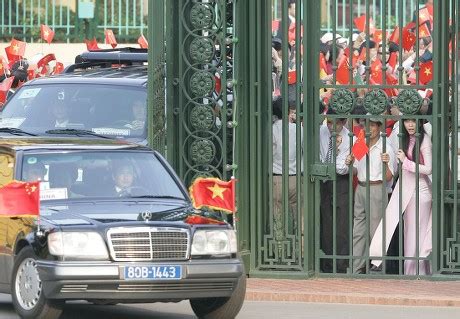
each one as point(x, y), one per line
point(6, 176)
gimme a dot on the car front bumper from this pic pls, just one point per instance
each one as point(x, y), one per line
point(104, 280)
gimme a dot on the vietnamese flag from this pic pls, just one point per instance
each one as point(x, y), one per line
point(423, 31)
point(342, 74)
point(20, 199)
point(408, 39)
point(143, 42)
point(360, 148)
point(214, 193)
point(424, 16)
point(58, 68)
point(292, 77)
point(5, 86)
point(426, 72)
point(378, 36)
point(91, 45)
point(360, 23)
point(110, 38)
point(46, 33)
point(17, 48)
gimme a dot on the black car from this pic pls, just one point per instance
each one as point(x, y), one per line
point(114, 227)
point(103, 92)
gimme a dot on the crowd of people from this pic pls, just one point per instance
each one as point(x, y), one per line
point(396, 154)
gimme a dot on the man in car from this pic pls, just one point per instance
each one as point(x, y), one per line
point(61, 114)
point(123, 176)
point(139, 113)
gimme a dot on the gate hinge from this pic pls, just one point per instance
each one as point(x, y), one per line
point(322, 171)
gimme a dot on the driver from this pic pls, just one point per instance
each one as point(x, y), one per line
point(123, 176)
point(61, 114)
point(139, 114)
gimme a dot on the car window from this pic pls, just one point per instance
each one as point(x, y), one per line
point(99, 174)
point(116, 111)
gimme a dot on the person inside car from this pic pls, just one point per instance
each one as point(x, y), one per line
point(139, 115)
point(34, 172)
point(60, 112)
point(124, 178)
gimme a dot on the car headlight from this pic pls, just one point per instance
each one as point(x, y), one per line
point(214, 242)
point(77, 245)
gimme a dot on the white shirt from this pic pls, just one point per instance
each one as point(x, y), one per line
point(342, 151)
point(375, 162)
point(61, 124)
point(278, 147)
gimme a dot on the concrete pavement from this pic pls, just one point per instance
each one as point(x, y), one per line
point(357, 291)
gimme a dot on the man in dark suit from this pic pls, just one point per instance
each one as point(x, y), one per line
point(123, 176)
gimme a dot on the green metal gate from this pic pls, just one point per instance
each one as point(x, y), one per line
point(231, 130)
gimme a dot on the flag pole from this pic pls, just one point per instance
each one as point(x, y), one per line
point(39, 231)
point(233, 180)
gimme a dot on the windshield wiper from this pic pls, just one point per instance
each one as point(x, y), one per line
point(158, 196)
point(72, 131)
point(15, 131)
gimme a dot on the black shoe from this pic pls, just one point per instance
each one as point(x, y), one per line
point(361, 271)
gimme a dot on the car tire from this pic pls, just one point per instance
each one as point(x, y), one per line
point(221, 308)
point(30, 301)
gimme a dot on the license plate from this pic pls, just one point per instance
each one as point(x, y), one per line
point(152, 272)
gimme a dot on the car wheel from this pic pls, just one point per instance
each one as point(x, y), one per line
point(222, 308)
point(28, 297)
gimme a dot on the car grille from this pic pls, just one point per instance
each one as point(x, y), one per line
point(148, 243)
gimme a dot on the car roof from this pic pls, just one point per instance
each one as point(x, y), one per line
point(19, 143)
point(126, 76)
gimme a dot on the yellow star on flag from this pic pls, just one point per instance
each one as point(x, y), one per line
point(46, 33)
point(427, 71)
point(217, 191)
point(15, 48)
point(422, 34)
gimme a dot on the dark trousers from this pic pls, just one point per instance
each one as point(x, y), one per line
point(342, 224)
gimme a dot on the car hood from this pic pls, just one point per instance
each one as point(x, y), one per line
point(85, 213)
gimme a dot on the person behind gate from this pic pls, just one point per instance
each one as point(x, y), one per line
point(378, 199)
point(411, 184)
point(327, 155)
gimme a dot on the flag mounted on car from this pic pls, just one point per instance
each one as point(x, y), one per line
point(214, 193)
point(110, 38)
point(20, 199)
point(46, 33)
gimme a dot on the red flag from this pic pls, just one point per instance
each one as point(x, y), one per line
point(143, 42)
point(292, 77)
point(17, 47)
point(376, 71)
point(360, 23)
point(5, 86)
point(408, 39)
point(110, 38)
point(214, 193)
point(412, 79)
point(275, 25)
point(91, 45)
point(11, 57)
point(58, 68)
point(424, 16)
point(426, 72)
point(342, 74)
point(378, 36)
point(46, 33)
point(45, 60)
point(218, 85)
point(423, 31)
point(322, 63)
point(202, 220)
point(30, 74)
point(360, 148)
point(3, 65)
point(394, 37)
point(393, 59)
point(20, 199)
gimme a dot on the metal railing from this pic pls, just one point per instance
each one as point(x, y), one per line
point(73, 21)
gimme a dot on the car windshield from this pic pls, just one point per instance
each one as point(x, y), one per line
point(99, 174)
point(114, 111)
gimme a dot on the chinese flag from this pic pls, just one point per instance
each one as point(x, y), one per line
point(58, 68)
point(3, 65)
point(360, 23)
point(20, 198)
point(342, 75)
point(11, 57)
point(426, 72)
point(46, 33)
point(408, 39)
point(91, 45)
point(424, 16)
point(17, 48)
point(378, 36)
point(45, 60)
point(423, 31)
point(143, 42)
point(394, 37)
point(360, 148)
point(110, 38)
point(5, 86)
point(376, 71)
point(214, 193)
